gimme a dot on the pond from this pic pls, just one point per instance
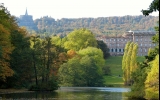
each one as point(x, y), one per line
point(71, 93)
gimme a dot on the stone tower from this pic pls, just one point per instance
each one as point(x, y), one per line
point(27, 21)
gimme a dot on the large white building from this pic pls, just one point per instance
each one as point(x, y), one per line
point(116, 44)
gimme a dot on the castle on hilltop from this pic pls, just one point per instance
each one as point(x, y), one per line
point(27, 21)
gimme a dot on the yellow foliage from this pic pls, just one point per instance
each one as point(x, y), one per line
point(152, 80)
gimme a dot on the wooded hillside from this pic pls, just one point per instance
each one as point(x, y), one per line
point(99, 26)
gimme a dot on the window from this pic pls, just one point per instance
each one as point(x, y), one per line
point(115, 50)
point(112, 50)
point(145, 50)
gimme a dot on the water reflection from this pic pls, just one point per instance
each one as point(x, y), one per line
point(72, 93)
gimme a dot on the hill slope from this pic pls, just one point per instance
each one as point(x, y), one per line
point(99, 26)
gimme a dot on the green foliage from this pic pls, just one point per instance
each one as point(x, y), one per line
point(138, 76)
point(83, 70)
point(152, 80)
point(104, 48)
point(146, 76)
point(0, 51)
point(50, 86)
point(129, 62)
point(97, 54)
point(6, 49)
point(21, 60)
point(99, 26)
point(92, 75)
point(124, 67)
point(154, 6)
point(80, 39)
point(70, 73)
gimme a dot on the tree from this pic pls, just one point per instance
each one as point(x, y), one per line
point(133, 62)
point(154, 6)
point(97, 54)
point(129, 63)
point(5, 43)
point(7, 25)
point(70, 73)
point(91, 76)
point(146, 76)
point(34, 39)
point(152, 80)
point(21, 60)
point(124, 67)
point(84, 69)
point(104, 48)
point(44, 61)
point(80, 39)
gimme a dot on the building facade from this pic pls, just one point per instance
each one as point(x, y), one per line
point(116, 44)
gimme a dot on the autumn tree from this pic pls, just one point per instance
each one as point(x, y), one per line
point(7, 24)
point(5, 43)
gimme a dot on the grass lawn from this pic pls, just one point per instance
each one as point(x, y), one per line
point(115, 64)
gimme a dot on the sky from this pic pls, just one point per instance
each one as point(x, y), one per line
point(58, 9)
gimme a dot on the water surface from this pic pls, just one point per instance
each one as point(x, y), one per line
point(71, 93)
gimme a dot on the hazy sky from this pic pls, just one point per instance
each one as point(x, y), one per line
point(77, 8)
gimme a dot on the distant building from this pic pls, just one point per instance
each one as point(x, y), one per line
point(27, 21)
point(116, 44)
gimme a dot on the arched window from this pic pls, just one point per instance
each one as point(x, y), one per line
point(115, 50)
point(112, 50)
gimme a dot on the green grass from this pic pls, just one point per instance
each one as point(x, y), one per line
point(115, 64)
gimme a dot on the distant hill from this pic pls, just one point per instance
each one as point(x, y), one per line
point(99, 26)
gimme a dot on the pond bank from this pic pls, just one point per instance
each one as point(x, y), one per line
point(6, 91)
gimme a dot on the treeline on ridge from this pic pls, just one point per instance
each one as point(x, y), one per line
point(99, 26)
